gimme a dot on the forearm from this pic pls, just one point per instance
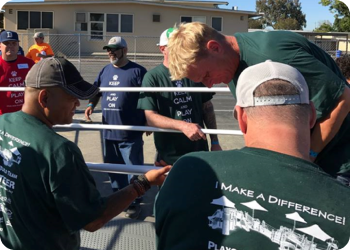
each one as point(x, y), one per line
point(209, 118)
point(94, 100)
point(116, 203)
point(325, 130)
point(156, 120)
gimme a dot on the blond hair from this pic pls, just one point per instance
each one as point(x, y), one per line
point(187, 45)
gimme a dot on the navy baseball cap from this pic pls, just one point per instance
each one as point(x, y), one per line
point(8, 35)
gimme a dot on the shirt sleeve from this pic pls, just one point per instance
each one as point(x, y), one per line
point(148, 100)
point(49, 50)
point(325, 86)
point(76, 196)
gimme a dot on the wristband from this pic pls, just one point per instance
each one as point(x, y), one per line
point(141, 185)
point(90, 105)
point(214, 142)
point(313, 153)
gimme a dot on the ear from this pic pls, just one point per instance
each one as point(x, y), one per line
point(214, 46)
point(242, 119)
point(43, 98)
point(162, 49)
point(312, 115)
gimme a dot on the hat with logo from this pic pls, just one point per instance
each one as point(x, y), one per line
point(257, 74)
point(8, 35)
point(55, 71)
point(164, 37)
point(38, 35)
point(116, 42)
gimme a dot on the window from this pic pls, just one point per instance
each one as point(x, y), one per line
point(216, 23)
point(189, 19)
point(126, 23)
point(34, 20)
point(112, 22)
point(156, 18)
point(96, 26)
point(1, 20)
point(80, 22)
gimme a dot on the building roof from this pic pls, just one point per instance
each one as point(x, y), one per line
point(197, 5)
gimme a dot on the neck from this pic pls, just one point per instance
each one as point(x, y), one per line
point(232, 52)
point(282, 139)
point(9, 58)
point(34, 109)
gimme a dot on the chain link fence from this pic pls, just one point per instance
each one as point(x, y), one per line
point(87, 53)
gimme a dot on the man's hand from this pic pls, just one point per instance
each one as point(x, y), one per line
point(88, 112)
point(193, 131)
point(157, 177)
point(216, 147)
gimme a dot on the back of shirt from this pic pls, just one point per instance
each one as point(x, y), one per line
point(251, 199)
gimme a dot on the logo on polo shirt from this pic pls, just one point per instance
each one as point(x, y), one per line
point(14, 73)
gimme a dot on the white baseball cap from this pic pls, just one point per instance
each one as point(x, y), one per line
point(257, 74)
point(116, 42)
point(164, 37)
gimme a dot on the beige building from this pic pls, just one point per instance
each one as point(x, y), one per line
point(96, 21)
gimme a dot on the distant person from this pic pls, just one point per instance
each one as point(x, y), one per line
point(47, 192)
point(40, 49)
point(265, 196)
point(120, 108)
point(343, 63)
point(184, 111)
point(20, 49)
point(13, 70)
point(201, 53)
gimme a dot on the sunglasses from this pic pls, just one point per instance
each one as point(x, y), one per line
point(112, 50)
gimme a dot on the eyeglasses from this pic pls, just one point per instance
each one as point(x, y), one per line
point(112, 50)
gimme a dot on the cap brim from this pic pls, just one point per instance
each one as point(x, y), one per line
point(112, 47)
point(82, 90)
point(10, 40)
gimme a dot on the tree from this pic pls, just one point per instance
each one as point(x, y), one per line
point(281, 14)
point(324, 26)
point(341, 14)
point(254, 24)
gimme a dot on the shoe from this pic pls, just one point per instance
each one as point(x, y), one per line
point(133, 211)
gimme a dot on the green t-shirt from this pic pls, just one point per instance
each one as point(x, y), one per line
point(325, 81)
point(176, 105)
point(47, 193)
point(252, 199)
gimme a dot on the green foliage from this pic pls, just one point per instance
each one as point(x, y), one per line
point(254, 24)
point(341, 14)
point(325, 26)
point(281, 14)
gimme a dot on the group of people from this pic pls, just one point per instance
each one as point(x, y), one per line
point(280, 191)
point(14, 66)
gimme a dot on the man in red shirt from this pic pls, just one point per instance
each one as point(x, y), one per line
point(13, 70)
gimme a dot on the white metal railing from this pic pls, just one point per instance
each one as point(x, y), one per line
point(144, 128)
point(143, 89)
point(119, 168)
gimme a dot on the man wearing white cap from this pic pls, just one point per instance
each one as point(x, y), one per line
point(120, 108)
point(187, 112)
point(267, 195)
point(40, 49)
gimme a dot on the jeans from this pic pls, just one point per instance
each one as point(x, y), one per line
point(122, 152)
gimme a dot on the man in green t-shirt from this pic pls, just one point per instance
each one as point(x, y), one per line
point(265, 196)
point(47, 193)
point(183, 111)
point(200, 53)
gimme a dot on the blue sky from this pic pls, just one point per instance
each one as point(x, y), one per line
point(314, 11)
